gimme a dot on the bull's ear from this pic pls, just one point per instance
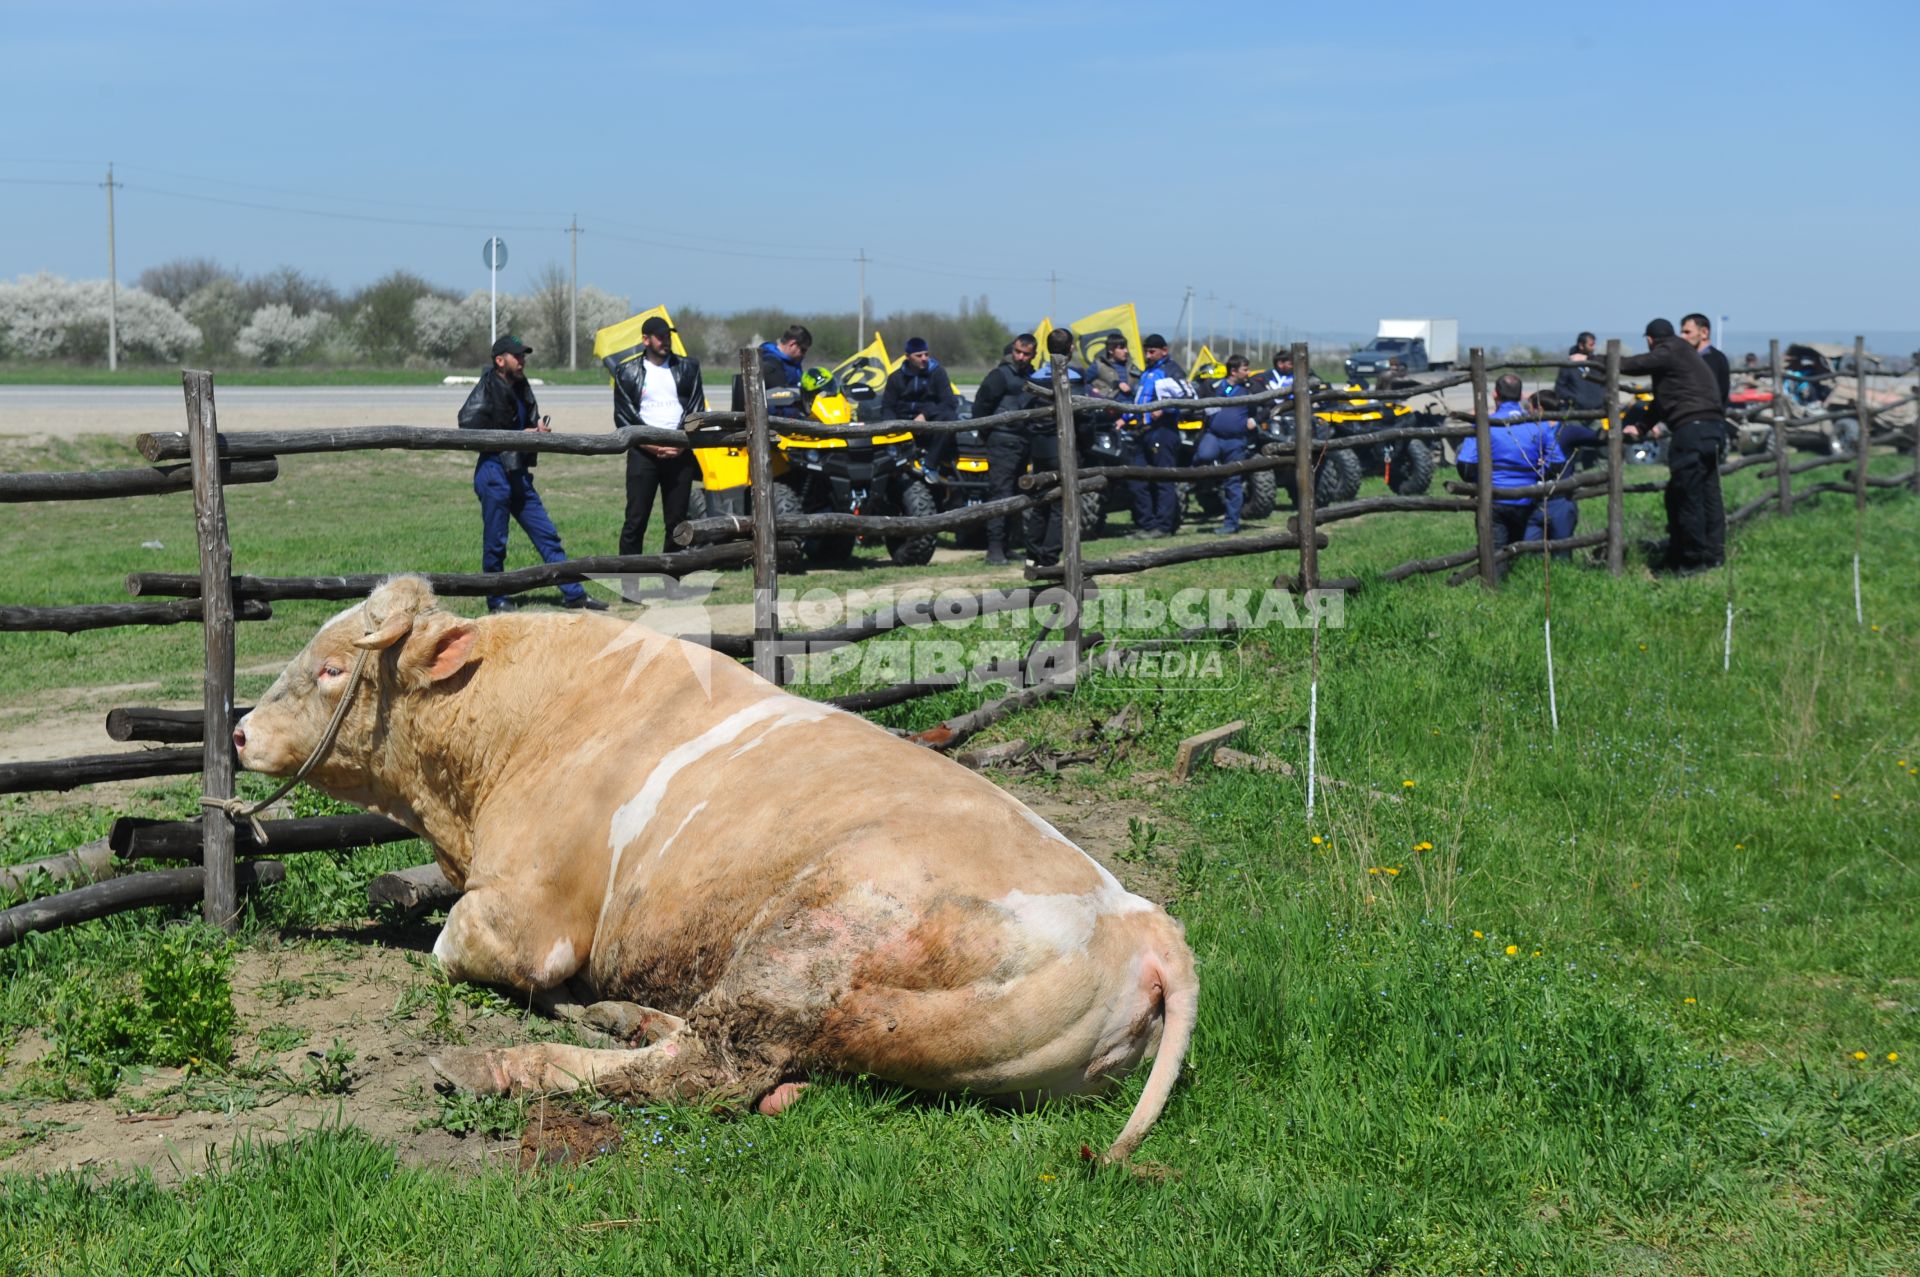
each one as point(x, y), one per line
point(441, 651)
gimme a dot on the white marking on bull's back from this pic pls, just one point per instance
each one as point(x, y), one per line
point(634, 815)
point(1065, 920)
point(684, 822)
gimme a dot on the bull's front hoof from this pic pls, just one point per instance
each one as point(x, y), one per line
point(478, 1072)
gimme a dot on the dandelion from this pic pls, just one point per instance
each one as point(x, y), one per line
point(1423, 846)
point(1859, 1055)
point(1392, 872)
point(1643, 647)
point(1045, 1178)
point(1512, 949)
point(1406, 784)
point(1478, 936)
point(1688, 1001)
point(1836, 795)
point(1317, 840)
point(1893, 1057)
point(1374, 871)
point(1536, 953)
point(1874, 628)
point(1739, 846)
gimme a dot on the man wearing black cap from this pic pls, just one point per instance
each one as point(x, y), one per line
point(919, 389)
point(658, 389)
point(1110, 375)
point(1687, 397)
point(1157, 442)
point(504, 480)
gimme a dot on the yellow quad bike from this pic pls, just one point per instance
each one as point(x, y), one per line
point(1407, 465)
point(814, 474)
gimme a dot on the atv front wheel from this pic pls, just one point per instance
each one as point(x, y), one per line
point(914, 551)
point(1261, 485)
point(1411, 472)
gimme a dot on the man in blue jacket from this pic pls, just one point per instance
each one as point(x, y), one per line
point(1156, 441)
point(1524, 453)
point(502, 400)
point(1226, 439)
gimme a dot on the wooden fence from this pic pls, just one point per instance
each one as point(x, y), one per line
point(218, 600)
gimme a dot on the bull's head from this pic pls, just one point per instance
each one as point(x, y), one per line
point(405, 645)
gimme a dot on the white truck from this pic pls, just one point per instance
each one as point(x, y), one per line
point(1417, 345)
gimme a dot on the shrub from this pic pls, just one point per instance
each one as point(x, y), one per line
point(177, 1010)
point(275, 335)
point(45, 317)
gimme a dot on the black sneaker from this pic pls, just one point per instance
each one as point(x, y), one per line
point(503, 605)
point(998, 559)
point(586, 603)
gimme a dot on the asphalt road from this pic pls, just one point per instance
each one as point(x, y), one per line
point(66, 411)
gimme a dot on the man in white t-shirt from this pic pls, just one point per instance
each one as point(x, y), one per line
point(658, 389)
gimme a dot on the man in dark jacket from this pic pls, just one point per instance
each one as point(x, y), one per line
point(1156, 506)
point(919, 389)
point(1110, 375)
point(658, 389)
point(780, 369)
point(1699, 334)
point(1688, 399)
point(1009, 447)
point(504, 480)
point(1575, 387)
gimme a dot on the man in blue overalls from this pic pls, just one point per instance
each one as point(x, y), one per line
point(1228, 436)
point(504, 480)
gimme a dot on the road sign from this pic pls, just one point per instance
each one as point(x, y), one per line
point(493, 253)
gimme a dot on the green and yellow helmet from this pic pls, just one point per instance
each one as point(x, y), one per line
point(815, 380)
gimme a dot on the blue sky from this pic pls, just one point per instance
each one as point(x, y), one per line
point(1524, 168)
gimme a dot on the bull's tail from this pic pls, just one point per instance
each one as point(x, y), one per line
point(1179, 1006)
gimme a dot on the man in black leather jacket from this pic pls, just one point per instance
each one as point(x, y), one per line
point(1687, 398)
point(658, 389)
point(1009, 447)
point(504, 480)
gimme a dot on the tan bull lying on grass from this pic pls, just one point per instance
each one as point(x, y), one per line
point(787, 890)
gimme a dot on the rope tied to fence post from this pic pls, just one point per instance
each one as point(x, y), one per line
point(237, 810)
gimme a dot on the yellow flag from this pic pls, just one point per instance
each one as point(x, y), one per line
point(622, 340)
point(1201, 360)
point(1091, 332)
point(1040, 331)
point(867, 367)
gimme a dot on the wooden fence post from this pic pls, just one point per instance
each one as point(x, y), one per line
point(1784, 479)
point(1069, 501)
point(767, 662)
point(219, 904)
point(1483, 485)
point(1303, 470)
point(1616, 466)
point(1916, 427)
point(1864, 448)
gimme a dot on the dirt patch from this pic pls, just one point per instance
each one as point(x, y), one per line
point(302, 1008)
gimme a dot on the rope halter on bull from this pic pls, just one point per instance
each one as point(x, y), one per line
point(238, 809)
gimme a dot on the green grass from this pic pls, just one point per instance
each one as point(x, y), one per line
point(1706, 879)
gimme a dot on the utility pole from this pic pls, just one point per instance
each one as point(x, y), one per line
point(1232, 325)
point(573, 300)
point(1053, 294)
point(1189, 309)
point(1209, 319)
point(113, 283)
point(860, 323)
